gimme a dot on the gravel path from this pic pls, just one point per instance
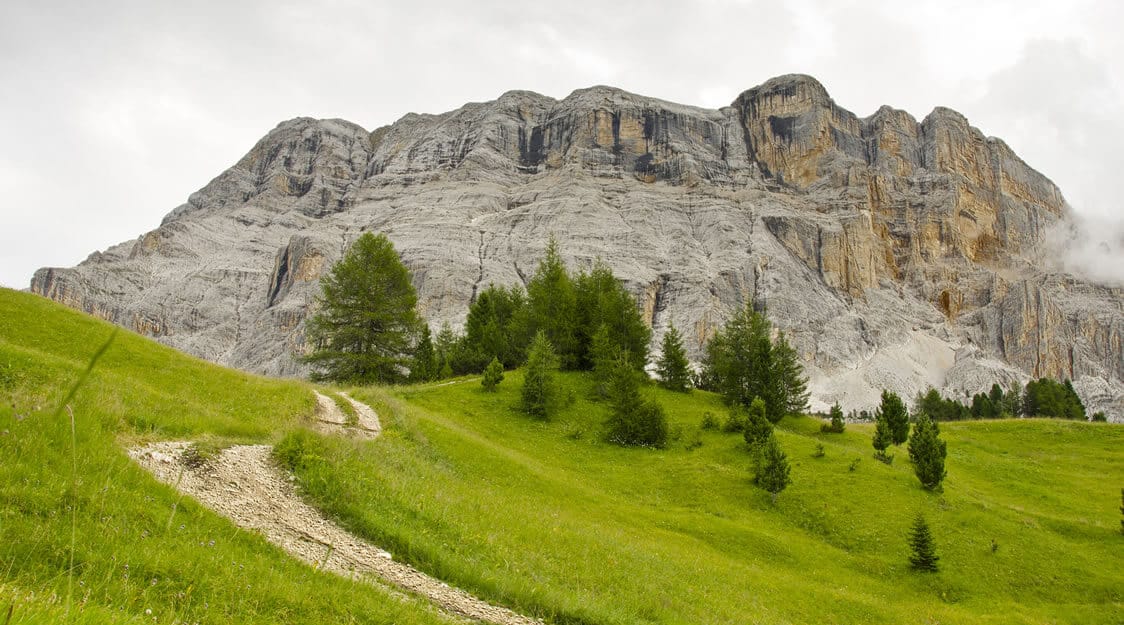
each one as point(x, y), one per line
point(244, 484)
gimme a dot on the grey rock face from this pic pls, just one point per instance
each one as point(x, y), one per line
point(894, 253)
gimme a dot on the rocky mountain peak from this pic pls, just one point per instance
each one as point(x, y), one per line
point(893, 253)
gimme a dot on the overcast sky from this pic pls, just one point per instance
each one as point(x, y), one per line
point(114, 112)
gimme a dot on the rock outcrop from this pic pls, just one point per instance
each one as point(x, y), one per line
point(894, 253)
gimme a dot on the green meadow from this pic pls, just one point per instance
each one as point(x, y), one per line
point(86, 536)
point(543, 517)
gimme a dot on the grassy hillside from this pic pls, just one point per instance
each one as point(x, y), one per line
point(548, 518)
point(543, 517)
point(81, 525)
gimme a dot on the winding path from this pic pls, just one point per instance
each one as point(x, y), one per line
point(243, 484)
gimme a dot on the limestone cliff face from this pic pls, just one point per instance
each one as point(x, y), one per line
point(894, 253)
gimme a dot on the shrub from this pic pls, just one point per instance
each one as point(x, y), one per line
point(709, 421)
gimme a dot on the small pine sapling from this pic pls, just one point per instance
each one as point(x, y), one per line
point(837, 424)
point(924, 549)
point(882, 439)
point(493, 375)
point(773, 475)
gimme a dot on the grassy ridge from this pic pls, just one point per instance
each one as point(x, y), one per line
point(137, 545)
point(546, 517)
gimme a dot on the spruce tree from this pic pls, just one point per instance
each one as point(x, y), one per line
point(493, 375)
point(882, 438)
point(758, 428)
point(552, 306)
point(539, 396)
point(790, 376)
point(896, 416)
point(924, 550)
point(673, 368)
point(837, 424)
point(739, 362)
point(423, 368)
point(602, 300)
point(927, 453)
point(773, 475)
point(633, 419)
point(491, 328)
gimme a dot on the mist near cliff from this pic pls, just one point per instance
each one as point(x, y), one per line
point(1089, 247)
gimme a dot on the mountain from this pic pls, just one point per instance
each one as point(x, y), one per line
point(894, 253)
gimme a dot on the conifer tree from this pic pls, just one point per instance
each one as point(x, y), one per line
point(493, 375)
point(739, 361)
point(673, 367)
point(924, 549)
point(539, 396)
point(927, 452)
point(633, 420)
point(366, 324)
point(603, 301)
point(838, 425)
point(758, 428)
point(882, 438)
point(603, 355)
point(774, 473)
point(552, 306)
point(896, 416)
point(424, 366)
point(790, 376)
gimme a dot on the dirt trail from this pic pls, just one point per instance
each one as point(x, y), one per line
point(244, 484)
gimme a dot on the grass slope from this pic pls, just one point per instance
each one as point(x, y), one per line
point(86, 536)
point(547, 518)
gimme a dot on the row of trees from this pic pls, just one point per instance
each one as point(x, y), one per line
point(1043, 397)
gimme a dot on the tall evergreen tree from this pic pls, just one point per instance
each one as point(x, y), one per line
point(633, 420)
point(540, 395)
point(603, 354)
point(491, 329)
point(739, 361)
point(790, 375)
point(603, 301)
point(673, 368)
point(447, 347)
point(927, 453)
point(882, 436)
point(897, 419)
point(997, 398)
point(424, 367)
point(774, 473)
point(553, 307)
point(366, 324)
point(1013, 400)
point(923, 547)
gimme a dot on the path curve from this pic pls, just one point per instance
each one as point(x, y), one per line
point(243, 484)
